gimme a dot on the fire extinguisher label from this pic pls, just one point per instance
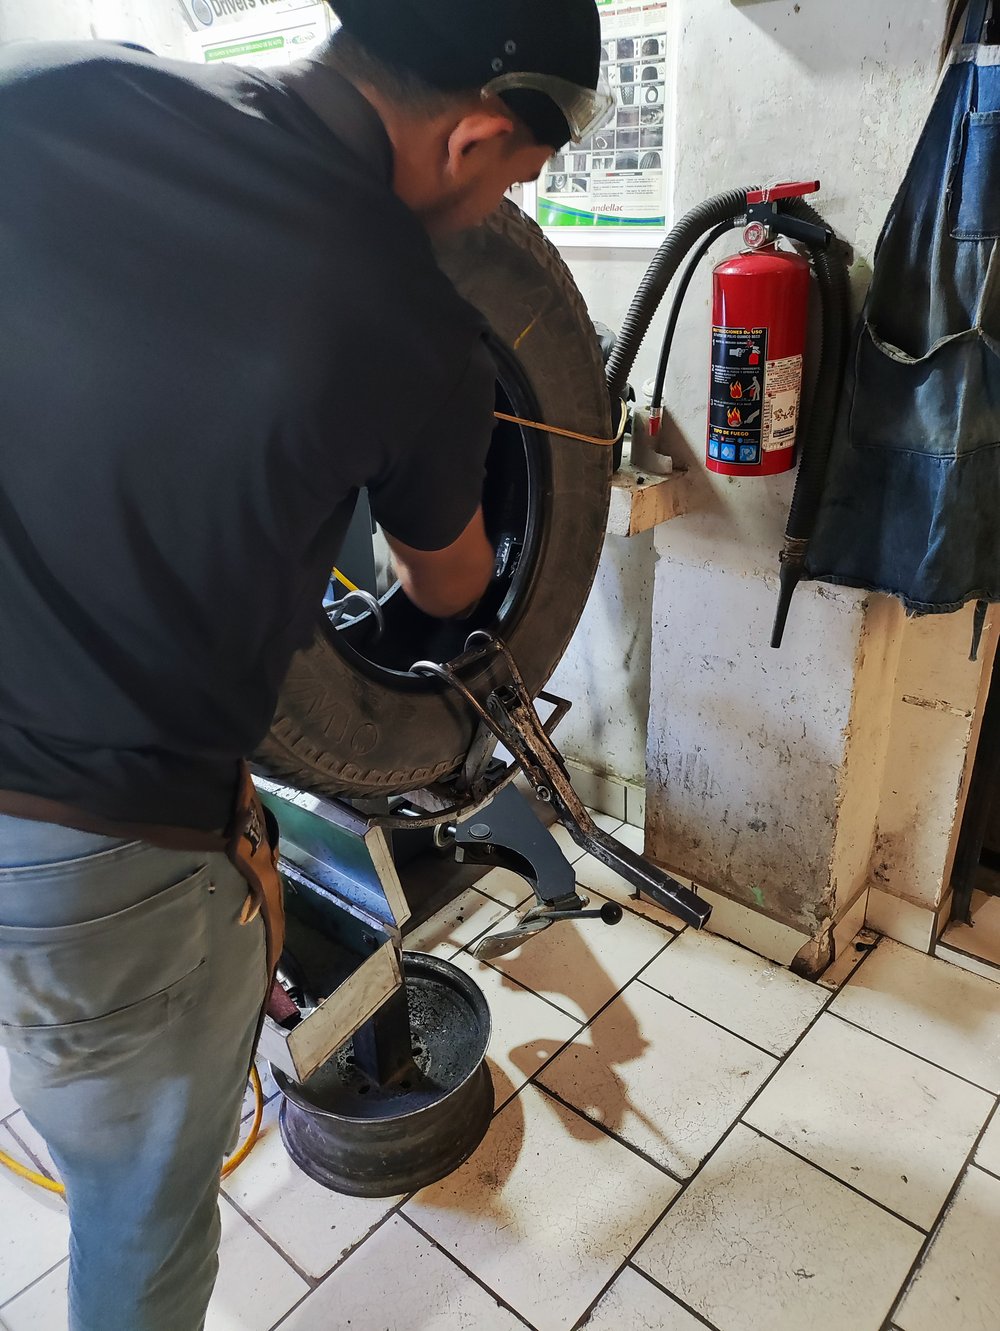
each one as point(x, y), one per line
point(781, 403)
point(739, 380)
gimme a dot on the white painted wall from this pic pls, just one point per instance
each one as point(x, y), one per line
point(764, 769)
point(765, 90)
point(157, 24)
point(770, 91)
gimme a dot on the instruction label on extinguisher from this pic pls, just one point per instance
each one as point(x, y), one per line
point(781, 403)
point(739, 380)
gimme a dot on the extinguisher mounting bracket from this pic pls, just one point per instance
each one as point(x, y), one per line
point(764, 207)
point(780, 223)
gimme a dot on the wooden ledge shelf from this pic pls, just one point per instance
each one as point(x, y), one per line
point(640, 501)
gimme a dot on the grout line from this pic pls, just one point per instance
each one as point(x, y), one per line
point(582, 1321)
point(685, 1187)
point(581, 1028)
point(935, 1229)
point(273, 1243)
point(38, 1163)
point(903, 1049)
point(37, 1281)
point(527, 988)
point(497, 1298)
point(974, 1164)
point(622, 1141)
point(972, 956)
point(590, 1020)
point(718, 1024)
point(345, 1257)
point(671, 1295)
point(722, 1140)
point(836, 1178)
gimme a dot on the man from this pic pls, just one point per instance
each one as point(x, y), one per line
point(209, 278)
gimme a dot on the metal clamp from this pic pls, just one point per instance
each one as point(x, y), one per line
point(509, 713)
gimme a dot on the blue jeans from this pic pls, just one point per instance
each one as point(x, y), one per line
point(129, 998)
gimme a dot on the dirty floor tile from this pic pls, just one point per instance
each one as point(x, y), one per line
point(42, 1307)
point(592, 875)
point(568, 846)
point(8, 1105)
point(255, 1288)
point(527, 1030)
point(307, 1222)
point(581, 966)
point(958, 1286)
point(256, 1285)
point(988, 1152)
point(882, 1120)
point(34, 1226)
point(400, 1282)
point(761, 1241)
point(506, 887)
point(451, 929)
point(634, 1303)
point(545, 1211)
point(741, 991)
point(666, 1081)
point(935, 1010)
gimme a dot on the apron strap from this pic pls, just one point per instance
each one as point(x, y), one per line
point(975, 22)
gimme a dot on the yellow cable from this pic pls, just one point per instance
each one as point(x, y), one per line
point(234, 1162)
point(569, 434)
point(345, 582)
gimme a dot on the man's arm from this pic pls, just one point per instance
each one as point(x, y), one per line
point(448, 582)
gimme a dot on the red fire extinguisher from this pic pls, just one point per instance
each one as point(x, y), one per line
point(759, 319)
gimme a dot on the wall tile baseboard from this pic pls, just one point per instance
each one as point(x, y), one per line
point(915, 926)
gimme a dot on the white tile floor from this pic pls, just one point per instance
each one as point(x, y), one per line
point(686, 1138)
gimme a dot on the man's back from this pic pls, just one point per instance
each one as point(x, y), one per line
point(199, 282)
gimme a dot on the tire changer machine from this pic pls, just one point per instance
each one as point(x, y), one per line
point(382, 1059)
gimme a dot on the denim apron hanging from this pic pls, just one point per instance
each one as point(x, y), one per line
point(912, 499)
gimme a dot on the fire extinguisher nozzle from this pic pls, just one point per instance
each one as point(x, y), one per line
point(791, 576)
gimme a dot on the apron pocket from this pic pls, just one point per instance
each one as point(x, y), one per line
point(945, 404)
point(974, 197)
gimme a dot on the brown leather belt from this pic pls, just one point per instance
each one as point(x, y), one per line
point(250, 842)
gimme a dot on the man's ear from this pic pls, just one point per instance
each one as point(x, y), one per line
point(476, 130)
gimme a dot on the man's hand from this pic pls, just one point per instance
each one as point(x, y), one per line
point(448, 582)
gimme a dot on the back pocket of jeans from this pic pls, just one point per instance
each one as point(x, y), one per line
point(100, 989)
point(974, 196)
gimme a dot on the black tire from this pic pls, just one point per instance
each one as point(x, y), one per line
point(342, 729)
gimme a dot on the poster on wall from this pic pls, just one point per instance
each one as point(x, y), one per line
point(263, 33)
point(615, 183)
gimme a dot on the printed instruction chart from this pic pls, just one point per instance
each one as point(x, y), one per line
point(618, 178)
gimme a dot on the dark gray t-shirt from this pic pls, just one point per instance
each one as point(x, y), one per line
point(217, 323)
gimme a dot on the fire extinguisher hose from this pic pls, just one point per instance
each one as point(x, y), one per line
point(667, 260)
point(831, 272)
point(716, 233)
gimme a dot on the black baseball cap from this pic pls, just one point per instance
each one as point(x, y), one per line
point(456, 45)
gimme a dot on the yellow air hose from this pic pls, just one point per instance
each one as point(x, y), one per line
point(234, 1161)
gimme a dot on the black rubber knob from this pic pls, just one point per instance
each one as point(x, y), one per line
point(612, 913)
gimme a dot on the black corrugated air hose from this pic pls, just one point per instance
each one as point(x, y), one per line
point(701, 250)
point(830, 266)
point(668, 258)
point(817, 432)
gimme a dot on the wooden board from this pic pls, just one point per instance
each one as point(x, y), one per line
point(640, 501)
